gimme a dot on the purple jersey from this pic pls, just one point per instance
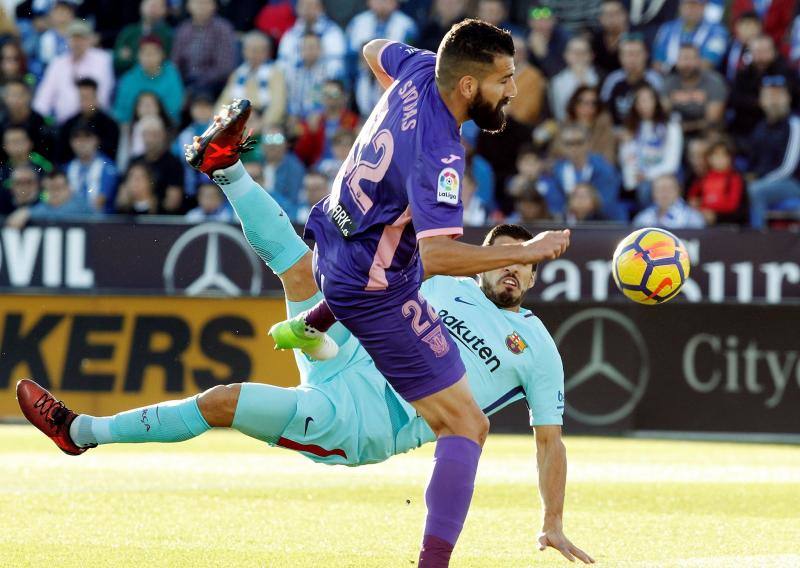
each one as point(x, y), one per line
point(400, 182)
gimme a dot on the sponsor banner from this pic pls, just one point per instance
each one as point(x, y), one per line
point(709, 368)
point(106, 354)
point(215, 259)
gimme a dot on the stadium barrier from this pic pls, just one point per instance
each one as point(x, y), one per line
point(728, 265)
point(706, 367)
point(104, 354)
point(674, 367)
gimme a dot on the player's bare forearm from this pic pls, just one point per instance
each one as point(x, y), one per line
point(551, 462)
point(443, 255)
point(371, 53)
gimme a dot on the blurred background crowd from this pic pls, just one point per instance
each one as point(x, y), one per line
point(678, 113)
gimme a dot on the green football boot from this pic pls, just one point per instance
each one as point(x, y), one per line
point(296, 334)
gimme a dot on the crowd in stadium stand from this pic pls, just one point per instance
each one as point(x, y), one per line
point(678, 113)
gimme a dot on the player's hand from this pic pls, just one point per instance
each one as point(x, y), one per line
point(555, 538)
point(546, 246)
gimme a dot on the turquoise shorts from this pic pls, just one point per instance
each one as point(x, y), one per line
point(347, 414)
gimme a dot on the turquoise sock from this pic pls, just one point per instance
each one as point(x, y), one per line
point(264, 411)
point(171, 421)
point(261, 216)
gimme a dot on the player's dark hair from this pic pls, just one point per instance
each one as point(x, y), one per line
point(517, 232)
point(55, 173)
point(87, 82)
point(468, 45)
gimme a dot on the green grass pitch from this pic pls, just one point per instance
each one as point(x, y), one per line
point(226, 500)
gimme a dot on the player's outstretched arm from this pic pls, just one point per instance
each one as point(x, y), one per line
point(551, 461)
point(443, 255)
point(372, 51)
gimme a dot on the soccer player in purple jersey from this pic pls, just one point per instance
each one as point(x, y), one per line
point(394, 208)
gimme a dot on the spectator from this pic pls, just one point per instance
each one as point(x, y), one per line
point(59, 202)
point(340, 147)
point(547, 41)
point(305, 81)
point(311, 18)
point(91, 174)
point(166, 168)
point(776, 16)
point(745, 30)
point(153, 13)
point(31, 25)
point(528, 108)
point(696, 150)
point(381, 20)
point(794, 43)
point(24, 183)
point(315, 187)
point(474, 209)
point(258, 80)
point(774, 152)
point(653, 145)
point(53, 41)
point(57, 94)
point(204, 48)
point(481, 171)
point(89, 114)
point(586, 108)
point(719, 195)
point(579, 72)
point(315, 134)
point(8, 30)
point(531, 171)
point(131, 139)
point(153, 74)
point(444, 14)
point(283, 171)
point(669, 210)
point(14, 64)
point(18, 150)
point(201, 111)
point(619, 86)
point(711, 39)
point(530, 206)
point(584, 205)
point(211, 205)
point(744, 101)
point(495, 12)
point(17, 102)
point(606, 39)
point(137, 195)
point(580, 165)
point(696, 94)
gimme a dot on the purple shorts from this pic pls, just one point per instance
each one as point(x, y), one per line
point(404, 336)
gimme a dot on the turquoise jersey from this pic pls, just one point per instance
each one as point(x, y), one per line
point(508, 356)
point(348, 414)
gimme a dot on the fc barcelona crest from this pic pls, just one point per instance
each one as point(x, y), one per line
point(515, 343)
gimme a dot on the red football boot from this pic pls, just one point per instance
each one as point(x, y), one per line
point(224, 139)
point(48, 415)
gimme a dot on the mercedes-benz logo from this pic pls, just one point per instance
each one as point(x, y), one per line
point(620, 369)
point(212, 277)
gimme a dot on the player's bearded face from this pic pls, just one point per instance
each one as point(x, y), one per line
point(488, 116)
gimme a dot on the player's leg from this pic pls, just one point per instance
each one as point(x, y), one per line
point(258, 410)
point(461, 428)
point(417, 355)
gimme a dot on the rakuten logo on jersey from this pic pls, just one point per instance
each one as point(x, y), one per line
point(466, 337)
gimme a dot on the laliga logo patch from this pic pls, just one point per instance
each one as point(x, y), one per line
point(447, 187)
point(515, 343)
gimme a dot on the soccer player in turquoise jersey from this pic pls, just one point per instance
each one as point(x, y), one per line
point(344, 412)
